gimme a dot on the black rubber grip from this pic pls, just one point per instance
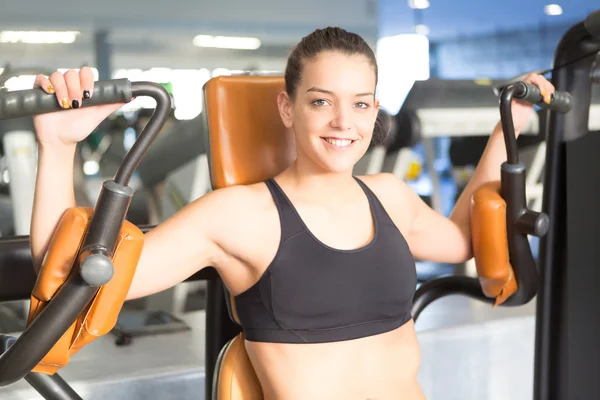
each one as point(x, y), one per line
point(592, 24)
point(23, 103)
point(561, 101)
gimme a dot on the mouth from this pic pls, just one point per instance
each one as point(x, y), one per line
point(338, 143)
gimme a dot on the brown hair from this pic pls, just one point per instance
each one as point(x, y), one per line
point(328, 39)
point(332, 39)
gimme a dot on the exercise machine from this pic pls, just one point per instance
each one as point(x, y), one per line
point(507, 273)
point(568, 303)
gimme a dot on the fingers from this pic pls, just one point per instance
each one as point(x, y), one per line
point(43, 83)
point(86, 79)
point(546, 88)
point(57, 81)
point(71, 89)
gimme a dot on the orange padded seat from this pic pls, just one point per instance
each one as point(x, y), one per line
point(247, 143)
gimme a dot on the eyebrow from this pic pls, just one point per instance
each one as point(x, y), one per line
point(316, 89)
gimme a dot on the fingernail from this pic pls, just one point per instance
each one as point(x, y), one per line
point(86, 94)
point(65, 103)
point(50, 89)
point(75, 103)
point(543, 92)
point(547, 99)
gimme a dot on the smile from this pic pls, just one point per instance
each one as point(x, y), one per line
point(339, 143)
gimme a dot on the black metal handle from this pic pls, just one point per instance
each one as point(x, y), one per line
point(23, 103)
point(592, 24)
point(111, 207)
point(531, 93)
point(561, 101)
point(443, 286)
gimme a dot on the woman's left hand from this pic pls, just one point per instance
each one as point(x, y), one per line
point(521, 110)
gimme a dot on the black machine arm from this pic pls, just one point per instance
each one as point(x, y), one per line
point(94, 261)
point(521, 221)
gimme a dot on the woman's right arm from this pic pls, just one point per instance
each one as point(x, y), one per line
point(173, 251)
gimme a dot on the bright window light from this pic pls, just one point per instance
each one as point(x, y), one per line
point(553, 9)
point(418, 4)
point(227, 42)
point(402, 60)
point(42, 37)
point(422, 30)
point(21, 82)
point(91, 167)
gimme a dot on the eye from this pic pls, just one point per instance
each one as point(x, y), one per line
point(319, 102)
point(362, 104)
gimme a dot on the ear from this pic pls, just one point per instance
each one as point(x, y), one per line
point(286, 109)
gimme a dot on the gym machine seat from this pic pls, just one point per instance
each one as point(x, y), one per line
point(248, 143)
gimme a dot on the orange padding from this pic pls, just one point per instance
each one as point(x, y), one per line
point(247, 140)
point(490, 243)
point(101, 316)
point(236, 377)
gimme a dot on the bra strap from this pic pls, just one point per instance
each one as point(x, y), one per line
point(289, 219)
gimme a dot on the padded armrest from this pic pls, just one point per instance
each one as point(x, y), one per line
point(100, 317)
point(490, 243)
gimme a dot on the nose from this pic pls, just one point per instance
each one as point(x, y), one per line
point(342, 119)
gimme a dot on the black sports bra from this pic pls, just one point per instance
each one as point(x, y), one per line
point(312, 293)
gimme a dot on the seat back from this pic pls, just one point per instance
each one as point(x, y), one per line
point(247, 143)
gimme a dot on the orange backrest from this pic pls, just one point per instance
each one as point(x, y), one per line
point(246, 139)
point(247, 143)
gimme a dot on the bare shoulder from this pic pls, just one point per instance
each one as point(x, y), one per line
point(238, 214)
point(395, 195)
point(234, 206)
point(244, 224)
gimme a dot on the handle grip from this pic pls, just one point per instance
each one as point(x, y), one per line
point(23, 103)
point(561, 101)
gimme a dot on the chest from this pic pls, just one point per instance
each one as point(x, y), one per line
point(312, 287)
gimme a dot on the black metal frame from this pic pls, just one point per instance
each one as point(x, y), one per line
point(92, 267)
point(561, 371)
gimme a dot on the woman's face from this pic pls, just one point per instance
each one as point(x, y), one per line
point(334, 110)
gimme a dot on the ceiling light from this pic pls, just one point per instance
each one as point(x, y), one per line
point(227, 42)
point(418, 4)
point(422, 30)
point(45, 37)
point(553, 9)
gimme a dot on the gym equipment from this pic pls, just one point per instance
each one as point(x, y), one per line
point(567, 346)
point(61, 318)
point(232, 159)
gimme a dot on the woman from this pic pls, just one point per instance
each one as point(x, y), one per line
point(321, 262)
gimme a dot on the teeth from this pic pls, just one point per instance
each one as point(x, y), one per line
point(339, 142)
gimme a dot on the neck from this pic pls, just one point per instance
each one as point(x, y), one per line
point(310, 182)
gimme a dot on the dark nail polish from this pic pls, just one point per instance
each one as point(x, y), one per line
point(75, 104)
point(86, 94)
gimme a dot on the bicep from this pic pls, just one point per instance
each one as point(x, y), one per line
point(179, 247)
point(430, 235)
point(433, 237)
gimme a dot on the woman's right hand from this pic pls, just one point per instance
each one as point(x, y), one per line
point(72, 90)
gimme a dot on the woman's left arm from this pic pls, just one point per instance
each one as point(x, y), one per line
point(432, 236)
